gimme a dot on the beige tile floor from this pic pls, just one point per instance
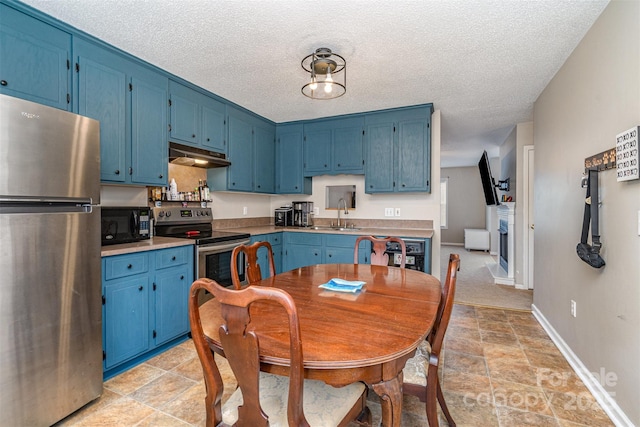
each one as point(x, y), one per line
point(500, 369)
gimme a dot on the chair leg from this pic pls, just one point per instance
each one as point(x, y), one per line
point(364, 419)
point(432, 390)
point(443, 405)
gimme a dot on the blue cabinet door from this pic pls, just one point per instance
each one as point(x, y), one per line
point(126, 325)
point(347, 146)
point(414, 155)
point(102, 95)
point(301, 255)
point(214, 125)
point(240, 173)
point(289, 160)
point(185, 114)
point(171, 295)
point(34, 60)
point(379, 163)
point(149, 139)
point(265, 160)
point(317, 148)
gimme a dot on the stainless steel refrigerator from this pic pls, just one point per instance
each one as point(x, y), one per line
point(50, 290)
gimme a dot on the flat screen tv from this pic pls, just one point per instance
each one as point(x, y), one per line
point(488, 184)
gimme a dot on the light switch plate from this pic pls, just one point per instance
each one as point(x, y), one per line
point(638, 223)
point(397, 211)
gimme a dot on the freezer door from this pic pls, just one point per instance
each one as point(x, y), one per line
point(47, 152)
point(51, 315)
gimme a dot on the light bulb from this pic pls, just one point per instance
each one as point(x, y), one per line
point(314, 83)
point(328, 86)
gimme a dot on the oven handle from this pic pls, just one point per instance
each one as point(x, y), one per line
point(218, 248)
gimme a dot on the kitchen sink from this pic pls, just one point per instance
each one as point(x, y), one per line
point(327, 227)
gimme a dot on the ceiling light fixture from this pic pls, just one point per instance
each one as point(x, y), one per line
point(328, 74)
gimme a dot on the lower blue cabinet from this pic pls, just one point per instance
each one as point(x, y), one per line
point(144, 304)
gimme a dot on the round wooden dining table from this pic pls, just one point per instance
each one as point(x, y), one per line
point(346, 337)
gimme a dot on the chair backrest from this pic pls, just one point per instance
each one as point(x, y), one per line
point(253, 273)
point(446, 305)
point(378, 248)
point(241, 349)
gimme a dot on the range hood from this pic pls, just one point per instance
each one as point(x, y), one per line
point(190, 156)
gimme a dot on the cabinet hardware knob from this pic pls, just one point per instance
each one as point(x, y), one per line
point(140, 288)
point(3, 82)
point(181, 277)
point(193, 135)
point(208, 139)
point(117, 172)
point(160, 176)
point(129, 266)
point(173, 258)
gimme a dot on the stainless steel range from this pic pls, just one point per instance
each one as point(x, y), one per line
point(213, 248)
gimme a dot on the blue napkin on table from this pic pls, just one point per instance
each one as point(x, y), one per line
point(341, 285)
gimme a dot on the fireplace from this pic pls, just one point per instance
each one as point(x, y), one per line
point(504, 244)
point(503, 270)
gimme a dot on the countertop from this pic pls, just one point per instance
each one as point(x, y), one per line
point(170, 242)
point(145, 245)
point(365, 231)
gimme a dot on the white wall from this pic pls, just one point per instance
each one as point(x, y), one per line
point(466, 205)
point(593, 97)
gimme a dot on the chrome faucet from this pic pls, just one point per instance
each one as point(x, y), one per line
point(346, 210)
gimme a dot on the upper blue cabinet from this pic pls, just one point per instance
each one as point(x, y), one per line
point(398, 150)
point(251, 153)
point(334, 146)
point(197, 119)
point(130, 101)
point(34, 60)
point(289, 160)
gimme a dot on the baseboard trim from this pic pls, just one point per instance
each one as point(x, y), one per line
point(451, 244)
point(608, 403)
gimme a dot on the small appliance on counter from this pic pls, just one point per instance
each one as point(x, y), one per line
point(283, 217)
point(125, 224)
point(303, 214)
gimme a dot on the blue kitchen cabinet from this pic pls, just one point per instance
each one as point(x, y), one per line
point(398, 150)
point(174, 275)
point(317, 148)
point(275, 240)
point(145, 304)
point(339, 248)
point(34, 60)
point(251, 153)
point(130, 101)
point(301, 249)
point(289, 160)
point(334, 146)
point(264, 159)
point(197, 119)
point(149, 143)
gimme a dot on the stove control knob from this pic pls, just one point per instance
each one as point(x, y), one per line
point(168, 214)
point(161, 214)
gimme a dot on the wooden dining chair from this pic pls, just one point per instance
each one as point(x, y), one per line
point(253, 273)
point(263, 399)
point(378, 248)
point(421, 371)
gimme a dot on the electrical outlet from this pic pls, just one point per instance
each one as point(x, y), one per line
point(573, 308)
point(245, 210)
point(397, 211)
point(388, 211)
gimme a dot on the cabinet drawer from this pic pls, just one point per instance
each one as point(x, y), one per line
point(340, 241)
point(172, 257)
point(311, 239)
point(126, 265)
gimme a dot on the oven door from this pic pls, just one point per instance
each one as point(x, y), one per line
point(214, 262)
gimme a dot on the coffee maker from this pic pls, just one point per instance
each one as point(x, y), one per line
point(302, 214)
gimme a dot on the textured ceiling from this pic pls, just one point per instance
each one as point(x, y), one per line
point(482, 63)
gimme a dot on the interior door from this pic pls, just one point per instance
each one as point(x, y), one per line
point(528, 222)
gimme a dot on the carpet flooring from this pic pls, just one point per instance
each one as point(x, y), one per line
point(475, 285)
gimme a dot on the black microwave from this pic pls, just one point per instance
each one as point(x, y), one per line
point(125, 224)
